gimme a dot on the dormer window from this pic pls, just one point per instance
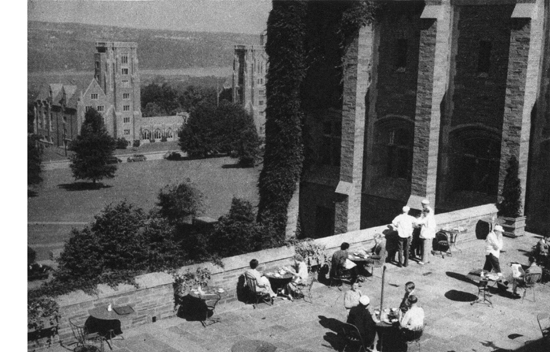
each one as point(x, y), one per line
point(94, 96)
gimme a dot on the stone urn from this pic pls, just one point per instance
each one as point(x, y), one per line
point(513, 227)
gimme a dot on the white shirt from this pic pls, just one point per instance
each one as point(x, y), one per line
point(413, 319)
point(493, 244)
point(404, 225)
point(428, 224)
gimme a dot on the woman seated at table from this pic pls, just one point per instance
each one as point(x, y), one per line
point(300, 275)
point(262, 282)
point(412, 322)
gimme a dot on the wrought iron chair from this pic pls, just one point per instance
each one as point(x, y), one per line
point(339, 275)
point(305, 289)
point(353, 337)
point(84, 338)
point(483, 293)
point(529, 282)
point(544, 325)
point(258, 296)
point(210, 308)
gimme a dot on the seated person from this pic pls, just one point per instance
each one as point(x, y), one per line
point(300, 275)
point(351, 298)
point(518, 274)
point(262, 282)
point(378, 251)
point(362, 319)
point(541, 251)
point(413, 320)
point(340, 263)
point(404, 306)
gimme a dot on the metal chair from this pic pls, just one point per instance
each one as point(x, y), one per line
point(444, 240)
point(352, 337)
point(264, 297)
point(544, 325)
point(211, 307)
point(339, 275)
point(529, 282)
point(84, 338)
point(375, 264)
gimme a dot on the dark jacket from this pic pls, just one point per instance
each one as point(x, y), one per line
point(361, 318)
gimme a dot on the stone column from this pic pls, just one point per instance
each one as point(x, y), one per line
point(433, 78)
point(522, 85)
point(357, 79)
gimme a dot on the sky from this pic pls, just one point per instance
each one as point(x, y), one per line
point(237, 16)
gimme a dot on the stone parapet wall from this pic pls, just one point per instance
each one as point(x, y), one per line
point(153, 299)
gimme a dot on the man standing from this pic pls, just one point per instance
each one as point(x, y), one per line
point(403, 224)
point(493, 246)
point(427, 230)
point(362, 319)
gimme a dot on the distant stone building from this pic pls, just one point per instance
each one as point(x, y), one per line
point(249, 72)
point(435, 98)
point(114, 92)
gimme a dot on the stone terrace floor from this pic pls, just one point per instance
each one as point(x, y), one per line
point(444, 293)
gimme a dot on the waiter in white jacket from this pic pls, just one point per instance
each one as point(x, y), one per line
point(427, 231)
point(493, 246)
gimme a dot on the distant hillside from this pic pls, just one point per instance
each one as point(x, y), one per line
point(70, 46)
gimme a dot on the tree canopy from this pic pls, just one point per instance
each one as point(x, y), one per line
point(34, 162)
point(222, 129)
point(163, 99)
point(92, 148)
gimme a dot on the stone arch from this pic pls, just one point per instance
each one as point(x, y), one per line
point(157, 134)
point(169, 133)
point(474, 159)
point(393, 147)
point(145, 134)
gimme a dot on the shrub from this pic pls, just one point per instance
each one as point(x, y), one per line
point(136, 143)
point(237, 232)
point(152, 140)
point(178, 202)
point(163, 139)
point(31, 256)
point(510, 205)
point(121, 243)
point(121, 143)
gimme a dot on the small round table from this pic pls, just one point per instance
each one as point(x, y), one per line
point(278, 281)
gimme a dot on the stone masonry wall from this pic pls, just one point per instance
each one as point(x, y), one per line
point(155, 296)
point(397, 87)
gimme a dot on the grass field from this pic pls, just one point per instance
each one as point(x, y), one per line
point(58, 200)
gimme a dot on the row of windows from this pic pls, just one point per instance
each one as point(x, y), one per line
point(95, 96)
point(157, 134)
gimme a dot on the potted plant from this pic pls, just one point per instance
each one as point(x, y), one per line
point(314, 255)
point(510, 209)
point(42, 320)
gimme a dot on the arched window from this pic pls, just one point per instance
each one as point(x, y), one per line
point(169, 133)
point(158, 134)
point(146, 134)
point(393, 152)
point(475, 160)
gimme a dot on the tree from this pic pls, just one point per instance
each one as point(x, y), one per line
point(177, 202)
point(200, 137)
point(34, 162)
point(510, 206)
point(93, 147)
point(237, 232)
point(221, 129)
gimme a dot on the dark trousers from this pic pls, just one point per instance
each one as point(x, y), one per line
point(403, 246)
point(491, 262)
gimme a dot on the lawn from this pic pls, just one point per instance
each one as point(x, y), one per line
point(57, 199)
